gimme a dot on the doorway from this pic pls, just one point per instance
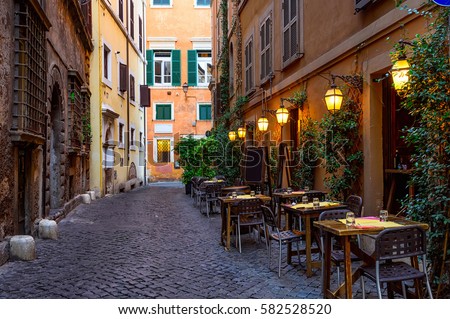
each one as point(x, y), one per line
point(55, 148)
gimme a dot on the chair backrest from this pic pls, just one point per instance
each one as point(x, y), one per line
point(249, 206)
point(333, 214)
point(354, 203)
point(400, 242)
point(269, 216)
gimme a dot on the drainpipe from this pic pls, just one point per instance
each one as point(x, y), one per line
point(127, 149)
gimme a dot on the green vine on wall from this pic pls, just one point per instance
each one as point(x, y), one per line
point(224, 63)
point(340, 133)
point(427, 98)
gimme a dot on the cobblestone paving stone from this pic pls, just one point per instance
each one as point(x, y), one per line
point(151, 243)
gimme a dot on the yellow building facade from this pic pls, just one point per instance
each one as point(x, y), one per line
point(178, 53)
point(117, 114)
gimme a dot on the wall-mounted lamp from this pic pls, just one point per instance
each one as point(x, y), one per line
point(334, 96)
point(282, 113)
point(232, 135)
point(400, 69)
point(185, 87)
point(242, 132)
point(263, 123)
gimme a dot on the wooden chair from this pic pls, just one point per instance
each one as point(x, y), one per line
point(249, 213)
point(391, 245)
point(272, 232)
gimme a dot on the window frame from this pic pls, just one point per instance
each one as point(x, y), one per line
point(204, 60)
point(267, 49)
point(196, 5)
point(163, 75)
point(287, 27)
point(121, 133)
point(131, 18)
point(201, 104)
point(120, 12)
point(107, 65)
point(155, 149)
point(249, 65)
point(153, 5)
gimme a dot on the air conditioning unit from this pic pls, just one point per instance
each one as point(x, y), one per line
point(362, 4)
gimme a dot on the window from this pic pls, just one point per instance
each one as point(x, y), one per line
point(140, 35)
point(121, 131)
point(266, 54)
point(121, 10)
point(132, 89)
point(199, 67)
point(161, 2)
point(163, 67)
point(141, 141)
point(202, 3)
point(249, 81)
point(106, 63)
point(163, 151)
point(204, 67)
point(123, 75)
point(132, 19)
point(132, 132)
point(163, 112)
point(291, 43)
point(204, 112)
point(30, 72)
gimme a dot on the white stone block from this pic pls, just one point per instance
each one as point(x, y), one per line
point(92, 194)
point(86, 198)
point(48, 229)
point(22, 247)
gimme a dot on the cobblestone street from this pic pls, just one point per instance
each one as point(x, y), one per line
point(150, 243)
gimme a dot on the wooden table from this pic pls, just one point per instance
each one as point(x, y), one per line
point(307, 212)
point(339, 229)
point(225, 210)
point(282, 197)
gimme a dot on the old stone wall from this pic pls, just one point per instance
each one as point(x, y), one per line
point(6, 151)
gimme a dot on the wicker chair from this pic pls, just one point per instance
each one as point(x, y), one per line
point(272, 232)
point(248, 212)
point(393, 244)
point(337, 255)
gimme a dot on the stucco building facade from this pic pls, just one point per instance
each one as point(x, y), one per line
point(178, 45)
point(44, 88)
point(117, 113)
point(277, 48)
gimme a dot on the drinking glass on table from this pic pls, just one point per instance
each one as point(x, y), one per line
point(350, 219)
point(289, 190)
point(252, 193)
point(383, 215)
point(306, 188)
point(304, 200)
point(234, 195)
point(316, 202)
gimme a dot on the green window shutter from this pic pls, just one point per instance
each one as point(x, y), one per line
point(176, 68)
point(149, 56)
point(163, 112)
point(205, 111)
point(192, 67)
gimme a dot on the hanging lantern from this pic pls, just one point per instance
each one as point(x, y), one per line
point(232, 135)
point(333, 98)
point(282, 115)
point(263, 123)
point(241, 132)
point(400, 74)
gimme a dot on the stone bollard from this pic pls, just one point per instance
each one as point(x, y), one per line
point(92, 194)
point(22, 247)
point(48, 229)
point(86, 198)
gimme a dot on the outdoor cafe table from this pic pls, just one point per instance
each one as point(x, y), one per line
point(226, 202)
point(282, 197)
point(368, 226)
point(307, 212)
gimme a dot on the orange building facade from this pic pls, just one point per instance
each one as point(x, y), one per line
point(179, 65)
